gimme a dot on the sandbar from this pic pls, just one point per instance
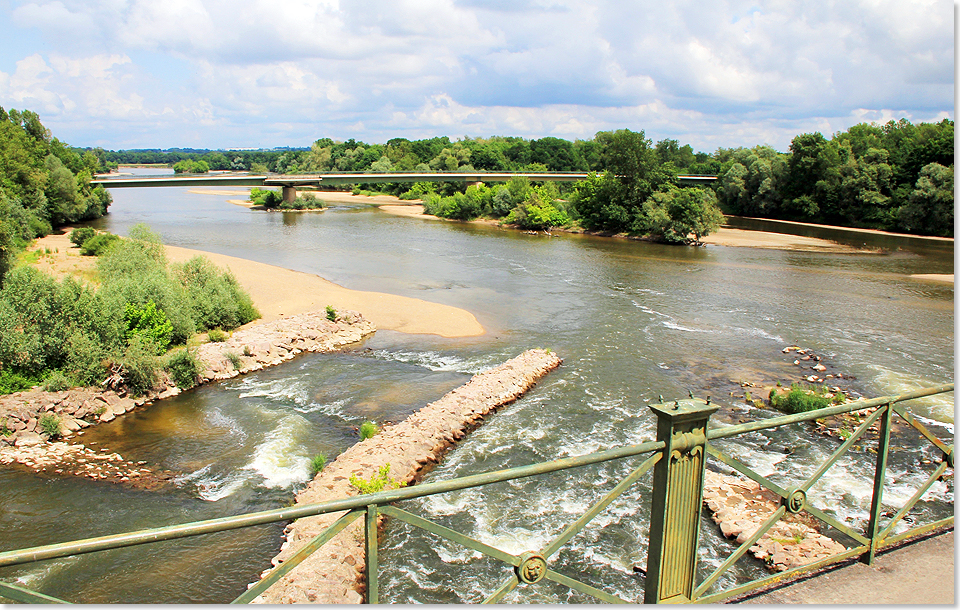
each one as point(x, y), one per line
point(279, 292)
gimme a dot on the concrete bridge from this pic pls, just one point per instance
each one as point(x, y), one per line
point(291, 182)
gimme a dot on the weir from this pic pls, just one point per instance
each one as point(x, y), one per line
point(684, 447)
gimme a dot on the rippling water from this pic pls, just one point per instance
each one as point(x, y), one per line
point(632, 321)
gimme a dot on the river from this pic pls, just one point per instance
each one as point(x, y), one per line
point(632, 320)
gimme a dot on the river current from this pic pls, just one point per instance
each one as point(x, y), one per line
point(632, 320)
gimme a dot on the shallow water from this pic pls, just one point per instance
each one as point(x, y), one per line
point(632, 321)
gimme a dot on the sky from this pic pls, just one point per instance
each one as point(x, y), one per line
point(124, 74)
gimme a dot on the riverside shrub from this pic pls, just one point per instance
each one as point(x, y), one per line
point(80, 235)
point(140, 308)
point(184, 368)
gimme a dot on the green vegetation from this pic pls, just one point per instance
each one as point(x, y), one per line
point(268, 198)
point(50, 424)
point(317, 463)
point(378, 482)
point(57, 381)
point(43, 184)
point(801, 399)
point(184, 368)
point(217, 336)
point(894, 176)
point(234, 359)
point(116, 329)
point(331, 313)
point(368, 429)
point(98, 244)
point(79, 236)
point(306, 201)
point(191, 166)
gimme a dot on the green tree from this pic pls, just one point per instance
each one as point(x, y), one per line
point(929, 210)
point(675, 215)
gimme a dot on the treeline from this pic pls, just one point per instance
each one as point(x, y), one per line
point(117, 328)
point(897, 176)
point(43, 183)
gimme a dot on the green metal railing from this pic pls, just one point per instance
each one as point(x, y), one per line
point(678, 458)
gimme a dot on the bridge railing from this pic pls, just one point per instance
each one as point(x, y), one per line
point(677, 458)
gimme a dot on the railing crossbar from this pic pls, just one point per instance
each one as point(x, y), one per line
point(584, 588)
point(26, 596)
point(732, 559)
point(311, 547)
point(574, 528)
point(842, 449)
point(832, 522)
point(449, 534)
point(508, 585)
point(745, 470)
point(912, 501)
point(910, 419)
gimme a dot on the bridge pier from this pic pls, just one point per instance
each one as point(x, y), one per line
point(289, 194)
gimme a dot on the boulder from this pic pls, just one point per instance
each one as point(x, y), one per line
point(28, 439)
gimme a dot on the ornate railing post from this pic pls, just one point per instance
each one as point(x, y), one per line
point(883, 447)
point(677, 497)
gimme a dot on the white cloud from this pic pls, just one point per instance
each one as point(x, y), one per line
point(712, 74)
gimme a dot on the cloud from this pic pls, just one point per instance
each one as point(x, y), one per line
point(712, 74)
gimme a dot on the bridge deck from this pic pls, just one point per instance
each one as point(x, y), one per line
point(917, 573)
point(316, 180)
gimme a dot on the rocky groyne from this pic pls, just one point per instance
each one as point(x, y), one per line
point(740, 506)
point(334, 574)
point(26, 417)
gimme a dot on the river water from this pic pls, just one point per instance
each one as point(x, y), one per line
point(632, 321)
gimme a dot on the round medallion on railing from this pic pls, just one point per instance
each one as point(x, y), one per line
point(532, 568)
point(796, 500)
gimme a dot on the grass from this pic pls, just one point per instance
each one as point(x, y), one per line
point(234, 359)
point(216, 335)
point(800, 399)
point(378, 482)
point(317, 463)
point(50, 423)
point(331, 313)
point(368, 429)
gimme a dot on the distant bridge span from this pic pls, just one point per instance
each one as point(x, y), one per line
point(289, 183)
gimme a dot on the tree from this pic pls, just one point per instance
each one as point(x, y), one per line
point(674, 215)
point(930, 208)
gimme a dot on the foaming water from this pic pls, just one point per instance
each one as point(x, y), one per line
point(280, 458)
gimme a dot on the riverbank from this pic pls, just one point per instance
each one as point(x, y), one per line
point(724, 237)
point(27, 440)
point(280, 293)
point(334, 575)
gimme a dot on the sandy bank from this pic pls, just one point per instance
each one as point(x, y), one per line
point(334, 574)
point(279, 292)
point(723, 237)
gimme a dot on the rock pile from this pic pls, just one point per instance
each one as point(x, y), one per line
point(271, 343)
point(740, 506)
point(334, 574)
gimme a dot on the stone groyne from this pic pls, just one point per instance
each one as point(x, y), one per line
point(334, 574)
point(23, 440)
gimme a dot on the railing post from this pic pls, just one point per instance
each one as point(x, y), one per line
point(677, 497)
point(879, 475)
point(370, 549)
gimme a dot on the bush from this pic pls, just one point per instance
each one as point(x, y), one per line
point(80, 235)
point(98, 244)
point(331, 313)
point(234, 359)
point(266, 197)
point(140, 366)
point(148, 323)
point(217, 336)
point(307, 201)
point(317, 463)
point(57, 381)
point(184, 368)
point(11, 382)
point(378, 482)
point(50, 423)
point(214, 298)
point(799, 399)
point(368, 429)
